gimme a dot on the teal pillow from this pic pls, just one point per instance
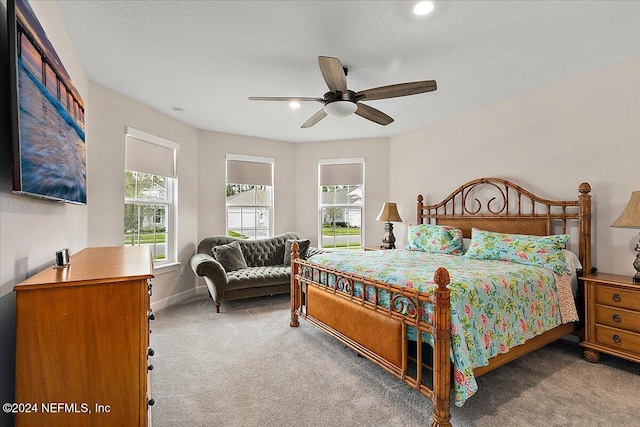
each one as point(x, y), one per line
point(543, 251)
point(433, 238)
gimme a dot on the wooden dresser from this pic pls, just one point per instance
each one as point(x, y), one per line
point(82, 341)
point(612, 317)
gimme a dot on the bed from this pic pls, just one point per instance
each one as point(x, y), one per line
point(477, 308)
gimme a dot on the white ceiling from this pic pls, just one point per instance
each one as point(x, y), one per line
point(208, 57)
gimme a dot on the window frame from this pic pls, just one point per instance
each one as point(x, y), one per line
point(270, 196)
point(171, 208)
point(346, 206)
point(144, 154)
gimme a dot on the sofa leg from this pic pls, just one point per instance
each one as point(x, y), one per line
point(217, 307)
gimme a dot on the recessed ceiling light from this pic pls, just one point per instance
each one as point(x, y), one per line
point(422, 8)
point(294, 105)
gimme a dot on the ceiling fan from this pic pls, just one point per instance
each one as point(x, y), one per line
point(341, 102)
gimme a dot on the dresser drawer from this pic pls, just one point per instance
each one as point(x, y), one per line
point(616, 297)
point(618, 318)
point(618, 339)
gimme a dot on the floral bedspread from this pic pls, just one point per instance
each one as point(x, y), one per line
point(495, 305)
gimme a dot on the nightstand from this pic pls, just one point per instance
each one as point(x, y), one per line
point(612, 317)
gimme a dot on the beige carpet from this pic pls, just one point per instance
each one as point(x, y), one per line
point(246, 367)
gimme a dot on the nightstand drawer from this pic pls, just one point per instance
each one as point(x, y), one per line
point(616, 297)
point(618, 339)
point(618, 318)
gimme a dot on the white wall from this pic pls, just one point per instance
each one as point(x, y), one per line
point(584, 129)
point(376, 155)
point(212, 150)
point(31, 230)
point(296, 180)
point(108, 116)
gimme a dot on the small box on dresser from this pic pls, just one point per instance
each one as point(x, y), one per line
point(612, 317)
point(82, 341)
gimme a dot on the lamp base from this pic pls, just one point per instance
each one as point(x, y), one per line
point(636, 264)
point(388, 238)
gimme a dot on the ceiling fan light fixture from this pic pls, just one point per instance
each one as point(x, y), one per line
point(421, 8)
point(294, 105)
point(340, 108)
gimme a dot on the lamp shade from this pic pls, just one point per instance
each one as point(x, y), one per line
point(389, 213)
point(340, 108)
point(630, 216)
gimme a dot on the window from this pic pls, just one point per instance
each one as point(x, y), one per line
point(147, 211)
point(249, 196)
point(341, 202)
point(150, 185)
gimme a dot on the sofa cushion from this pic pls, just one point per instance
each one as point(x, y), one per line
point(255, 277)
point(230, 256)
point(303, 247)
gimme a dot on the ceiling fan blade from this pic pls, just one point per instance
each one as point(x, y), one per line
point(333, 73)
point(372, 114)
point(400, 89)
point(284, 98)
point(314, 119)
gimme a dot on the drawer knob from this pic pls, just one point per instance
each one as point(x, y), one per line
point(150, 367)
point(150, 352)
point(152, 316)
point(151, 402)
point(616, 297)
point(617, 339)
point(616, 318)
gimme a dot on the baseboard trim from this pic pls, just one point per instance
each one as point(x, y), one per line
point(178, 298)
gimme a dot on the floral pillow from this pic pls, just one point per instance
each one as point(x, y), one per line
point(435, 238)
point(544, 251)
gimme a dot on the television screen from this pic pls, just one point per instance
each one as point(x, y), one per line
point(49, 157)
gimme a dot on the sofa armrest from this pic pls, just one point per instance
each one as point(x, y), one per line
point(206, 266)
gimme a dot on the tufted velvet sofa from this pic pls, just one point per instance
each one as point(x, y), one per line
point(265, 274)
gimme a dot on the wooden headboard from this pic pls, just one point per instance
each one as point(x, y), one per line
point(495, 204)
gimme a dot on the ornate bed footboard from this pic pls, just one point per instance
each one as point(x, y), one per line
point(351, 310)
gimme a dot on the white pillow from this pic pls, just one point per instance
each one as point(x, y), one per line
point(573, 264)
point(465, 244)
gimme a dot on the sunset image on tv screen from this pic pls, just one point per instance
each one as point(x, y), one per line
point(50, 117)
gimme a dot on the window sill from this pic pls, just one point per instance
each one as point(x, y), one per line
point(166, 268)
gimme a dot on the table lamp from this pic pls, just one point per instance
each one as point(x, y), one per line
point(389, 213)
point(630, 218)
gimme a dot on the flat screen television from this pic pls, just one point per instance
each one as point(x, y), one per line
point(47, 114)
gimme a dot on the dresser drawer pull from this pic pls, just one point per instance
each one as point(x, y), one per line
point(151, 316)
point(616, 318)
point(616, 297)
point(151, 402)
point(150, 352)
point(617, 339)
point(150, 367)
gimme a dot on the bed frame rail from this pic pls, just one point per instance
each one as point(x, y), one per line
point(406, 307)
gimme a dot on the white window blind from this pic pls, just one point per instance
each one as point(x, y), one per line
point(150, 154)
point(249, 172)
point(341, 174)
